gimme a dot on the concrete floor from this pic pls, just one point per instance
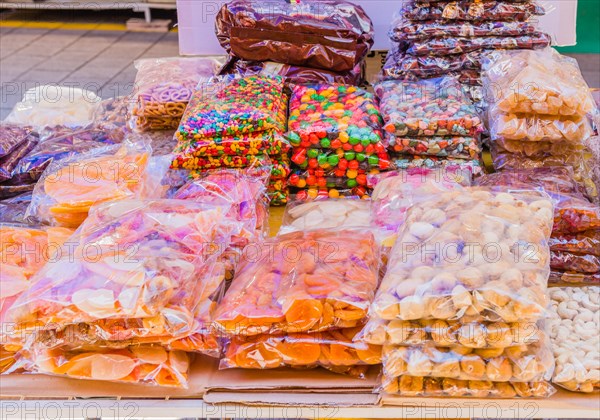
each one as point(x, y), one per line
point(102, 60)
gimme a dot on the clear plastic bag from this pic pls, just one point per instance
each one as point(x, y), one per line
point(568, 261)
point(460, 45)
point(138, 271)
point(278, 192)
point(587, 242)
point(473, 335)
point(526, 363)
point(414, 386)
point(395, 192)
point(9, 162)
point(164, 86)
point(149, 365)
point(402, 161)
point(354, 180)
point(539, 128)
point(311, 193)
point(399, 65)
point(222, 149)
point(487, 263)
point(333, 116)
point(337, 159)
point(593, 145)
point(50, 105)
point(302, 282)
point(436, 107)
point(538, 149)
point(458, 147)
point(541, 82)
point(405, 30)
point(230, 106)
point(12, 136)
point(332, 34)
point(12, 210)
point(69, 187)
point(472, 11)
point(573, 331)
point(562, 277)
point(326, 349)
point(113, 113)
point(326, 213)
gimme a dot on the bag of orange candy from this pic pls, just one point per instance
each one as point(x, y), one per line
point(302, 282)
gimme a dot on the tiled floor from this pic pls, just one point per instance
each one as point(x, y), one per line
point(102, 61)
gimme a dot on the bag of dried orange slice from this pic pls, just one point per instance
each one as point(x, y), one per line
point(140, 270)
point(69, 187)
point(151, 365)
point(304, 281)
point(329, 349)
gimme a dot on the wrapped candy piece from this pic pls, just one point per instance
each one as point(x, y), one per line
point(436, 107)
point(399, 65)
point(333, 116)
point(144, 270)
point(492, 336)
point(430, 162)
point(12, 136)
point(150, 365)
point(567, 261)
point(69, 187)
point(564, 94)
point(525, 363)
point(460, 45)
point(268, 142)
point(326, 349)
point(302, 282)
point(294, 74)
point(50, 105)
point(460, 147)
point(395, 192)
point(487, 263)
point(472, 11)
point(573, 212)
point(332, 34)
point(230, 106)
point(561, 277)
point(574, 334)
point(406, 30)
point(164, 86)
point(328, 213)
point(537, 128)
point(416, 386)
point(587, 242)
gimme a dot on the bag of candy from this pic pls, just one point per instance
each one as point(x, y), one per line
point(573, 329)
point(578, 263)
point(435, 107)
point(406, 30)
point(12, 136)
point(520, 84)
point(326, 213)
point(561, 277)
point(231, 106)
point(538, 128)
point(352, 181)
point(12, 210)
point(457, 146)
point(587, 242)
point(402, 161)
point(148, 365)
point(139, 271)
point(50, 105)
point(451, 334)
point(113, 113)
point(334, 349)
point(416, 386)
point(460, 45)
point(306, 281)
point(399, 65)
point(278, 192)
point(11, 160)
point(472, 11)
point(488, 263)
point(331, 34)
point(525, 363)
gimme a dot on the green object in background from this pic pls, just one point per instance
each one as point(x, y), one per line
point(588, 28)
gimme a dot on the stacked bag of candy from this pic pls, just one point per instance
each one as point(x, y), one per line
point(431, 119)
point(574, 250)
point(434, 38)
point(304, 42)
point(337, 139)
point(458, 312)
point(135, 291)
point(236, 122)
point(299, 299)
point(544, 121)
point(163, 87)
